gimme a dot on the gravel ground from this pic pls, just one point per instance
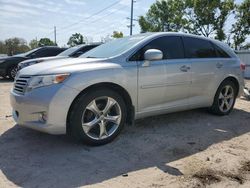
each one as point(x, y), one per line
point(185, 149)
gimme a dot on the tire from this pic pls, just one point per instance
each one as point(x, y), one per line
point(90, 119)
point(224, 99)
point(12, 71)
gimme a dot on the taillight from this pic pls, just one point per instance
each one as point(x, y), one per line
point(242, 66)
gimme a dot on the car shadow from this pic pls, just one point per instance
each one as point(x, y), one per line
point(33, 159)
point(5, 80)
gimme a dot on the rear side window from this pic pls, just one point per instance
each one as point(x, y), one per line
point(83, 50)
point(198, 48)
point(171, 46)
point(220, 52)
point(53, 52)
point(47, 52)
point(87, 48)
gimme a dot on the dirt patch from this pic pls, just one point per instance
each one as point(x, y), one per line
point(245, 167)
point(235, 177)
point(160, 151)
point(207, 177)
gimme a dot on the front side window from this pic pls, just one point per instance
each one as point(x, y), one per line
point(171, 47)
point(198, 48)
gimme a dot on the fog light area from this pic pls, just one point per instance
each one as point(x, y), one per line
point(43, 117)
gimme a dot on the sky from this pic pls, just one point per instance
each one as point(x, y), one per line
point(30, 19)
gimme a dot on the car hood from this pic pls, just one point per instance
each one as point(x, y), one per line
point(69, 65)
point(42, 59)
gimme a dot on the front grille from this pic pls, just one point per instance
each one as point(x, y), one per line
point(20, 84)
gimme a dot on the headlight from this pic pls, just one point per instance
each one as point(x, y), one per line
point(46, 80)
point(23, 65)
point(31, 63)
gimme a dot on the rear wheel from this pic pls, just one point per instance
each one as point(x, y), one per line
point(97, 117)
point(12, 72)
point(224, 99)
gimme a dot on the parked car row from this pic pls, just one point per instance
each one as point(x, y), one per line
point(10, 65)
point(92, 97)
point(72, 52)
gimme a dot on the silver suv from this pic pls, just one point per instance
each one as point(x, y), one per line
point(92, 97)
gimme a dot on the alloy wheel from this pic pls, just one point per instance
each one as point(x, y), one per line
point(226, 98)
point(13, 72)
point(101, 118)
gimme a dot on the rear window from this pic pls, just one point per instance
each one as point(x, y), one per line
point(220, 52)
point(198, 48)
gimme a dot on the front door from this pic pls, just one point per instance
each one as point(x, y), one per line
point(165, 83)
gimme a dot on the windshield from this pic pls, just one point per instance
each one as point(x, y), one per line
point(69, 51)
point(27, 53)
point(114, 47)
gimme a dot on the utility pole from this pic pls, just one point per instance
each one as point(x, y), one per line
point(55, 34)
point(131, 17)
point(36, 42)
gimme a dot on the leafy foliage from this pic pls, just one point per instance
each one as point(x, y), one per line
point(164, 15)
point(76, 39)
point(208, 17)
point(33, 44)
point(117, 34)
point(199, 17)
point(13, 46)
point(241, 28)
point(46, 42)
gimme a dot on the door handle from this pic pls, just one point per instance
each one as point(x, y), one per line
point(219, 65)
point(184, 68)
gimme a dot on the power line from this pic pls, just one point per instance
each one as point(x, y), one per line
point(55, 34)
point(98, 12)
point(98, 19)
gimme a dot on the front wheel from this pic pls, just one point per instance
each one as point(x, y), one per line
point(97, 117)
point(12, 72)
point(224, 99)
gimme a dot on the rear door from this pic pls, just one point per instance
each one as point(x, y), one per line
point(205, 70)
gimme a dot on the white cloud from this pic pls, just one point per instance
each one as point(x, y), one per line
point(75, 2)
point(16, 9)
point(125, 2)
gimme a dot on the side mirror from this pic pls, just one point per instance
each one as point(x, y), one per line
point(153, 54)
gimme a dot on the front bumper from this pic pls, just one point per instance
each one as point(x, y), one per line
point(54, 101)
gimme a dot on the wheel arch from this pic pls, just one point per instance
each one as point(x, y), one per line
point(115, 87)
point(235, 81)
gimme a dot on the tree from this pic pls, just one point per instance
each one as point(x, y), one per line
point(46, 42)
point(15, 46)
point(208, 17)
point(117, 34)
point(241, 28)
point(3, 49)
point(76, 39)
point(164, 15)
point(33, 44)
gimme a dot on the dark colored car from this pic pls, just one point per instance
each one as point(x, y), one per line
point(74, 52)
point(8, 65)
